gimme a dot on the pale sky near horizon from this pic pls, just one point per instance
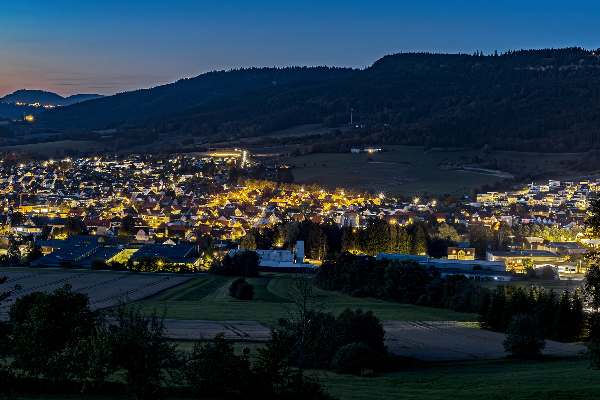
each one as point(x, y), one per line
point(110, 46)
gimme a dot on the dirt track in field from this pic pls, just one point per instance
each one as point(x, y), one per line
point(450, 341)
point(425, 340)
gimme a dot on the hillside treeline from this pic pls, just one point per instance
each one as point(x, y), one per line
point(320, 240)
point(527, 100)
point(382, 236)
point(207, 92)
point(560, 318)
point(400, 281)
point(55, 343)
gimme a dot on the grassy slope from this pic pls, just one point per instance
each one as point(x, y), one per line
point(206, 297)
point(552, 378)
point(350, 170)
point(299, 130)
point(50, 148)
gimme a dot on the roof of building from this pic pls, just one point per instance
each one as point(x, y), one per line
point(175, 253)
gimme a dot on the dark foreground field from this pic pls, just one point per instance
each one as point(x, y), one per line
point(550, 378)
point(205, 297)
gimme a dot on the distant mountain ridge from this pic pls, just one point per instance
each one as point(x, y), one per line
point(46, 98)
point(528, 100)
point(188, 93)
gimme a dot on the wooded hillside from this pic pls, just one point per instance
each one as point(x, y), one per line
point(533, 100)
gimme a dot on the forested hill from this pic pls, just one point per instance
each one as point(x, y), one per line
point(188, 93)
point(542, 100)
point(43, 97)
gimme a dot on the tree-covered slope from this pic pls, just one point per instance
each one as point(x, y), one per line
point(544, 100)
point(204, 90)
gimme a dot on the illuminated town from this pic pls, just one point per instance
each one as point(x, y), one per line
point(183, 201)
point(299, 201)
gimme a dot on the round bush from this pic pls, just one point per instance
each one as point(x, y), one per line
point(245, 292)
point(524, 337)
point(353, 358)
point(233, 288)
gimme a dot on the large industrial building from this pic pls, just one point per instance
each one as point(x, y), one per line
point(473, 269)
point(281, 260)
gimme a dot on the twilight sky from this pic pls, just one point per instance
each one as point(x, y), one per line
point(110, 46)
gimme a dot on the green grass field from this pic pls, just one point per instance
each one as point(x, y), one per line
point(50, 148)
point(206, 297)
point(299, 131)
point(172, 139)
point(551, 378)
point(409, 171)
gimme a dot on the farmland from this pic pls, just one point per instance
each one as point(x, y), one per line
point(411, 171)
point(206, 298)
point(50, 148)
point(301, 130)
point(104, 289)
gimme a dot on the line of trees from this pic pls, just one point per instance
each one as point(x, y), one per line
point(319, 239)
point(399, 281)
point(380, 236)
point(56, 342)
point(560, 318)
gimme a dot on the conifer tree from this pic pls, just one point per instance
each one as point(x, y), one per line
point(404, 242)
point(419, 245)
point(563, 317)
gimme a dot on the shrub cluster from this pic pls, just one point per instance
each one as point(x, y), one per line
point(356, 358)
point(240, 289)
point(316, 341)
point(56, 341)
point(524, 337)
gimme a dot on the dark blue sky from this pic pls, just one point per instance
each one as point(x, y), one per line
point(89, 46)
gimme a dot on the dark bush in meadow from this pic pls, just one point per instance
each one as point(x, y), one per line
point(357, 358)
point(524, 337)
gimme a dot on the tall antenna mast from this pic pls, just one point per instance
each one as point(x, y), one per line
point(352, 109)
